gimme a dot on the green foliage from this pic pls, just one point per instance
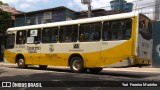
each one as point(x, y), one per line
point(1, 3)
point(5, 21)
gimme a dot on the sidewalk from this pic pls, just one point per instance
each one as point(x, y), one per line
point(135, 69)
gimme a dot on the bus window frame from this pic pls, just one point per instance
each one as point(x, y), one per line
point(67, 38)
point(81, 36)
point(24, 39)
point(39, 31)
point(110, 27)
point(51, 28)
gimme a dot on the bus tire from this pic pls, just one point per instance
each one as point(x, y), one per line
point(77, 65)
point(21, 63)
point(95, 70)
point(42, 67)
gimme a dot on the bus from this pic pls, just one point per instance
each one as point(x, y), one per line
point(119, 40)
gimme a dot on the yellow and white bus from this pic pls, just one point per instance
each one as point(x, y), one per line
point(93, 43)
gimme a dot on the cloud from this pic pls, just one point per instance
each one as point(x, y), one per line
point(94, 4)
point(25, 6)
point(102, 3)
point(70, 4)
point(10, 1)
point(28, 5)
point(36, 1)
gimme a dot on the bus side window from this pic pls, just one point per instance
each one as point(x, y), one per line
point(90, 32)
point(68, 33)
point(54, 36)
point(117, 29)
point(50, 35)
point(46, 35)
point(107, 33)
point(34, 36)
point(128, 29)
point(21, 37)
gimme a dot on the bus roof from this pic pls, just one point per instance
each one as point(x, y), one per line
point(78, 21)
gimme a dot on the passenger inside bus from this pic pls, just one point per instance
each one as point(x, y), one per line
point(67, 39)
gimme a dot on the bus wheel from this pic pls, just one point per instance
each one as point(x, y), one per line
point(76, 65)
point(21, 63)
point(95, 70)
point(42, 67)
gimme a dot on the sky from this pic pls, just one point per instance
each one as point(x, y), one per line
point(33, 5)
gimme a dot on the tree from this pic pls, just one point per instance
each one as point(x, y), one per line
point(5, 23)
point(1, 3)
point(5, 20)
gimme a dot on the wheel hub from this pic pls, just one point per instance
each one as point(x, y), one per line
point(76, 65)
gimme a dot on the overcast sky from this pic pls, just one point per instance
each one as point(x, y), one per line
point(32, 5)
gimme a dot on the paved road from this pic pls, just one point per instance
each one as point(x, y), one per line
point(10, 72)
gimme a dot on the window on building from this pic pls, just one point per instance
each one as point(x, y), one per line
point(117, 30)
point(50, 35)
point(68, 33)
point(34, 36)
point(10, 41)
point(21, 37)
point(90, 32)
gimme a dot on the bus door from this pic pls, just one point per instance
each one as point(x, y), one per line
point(9, 47)
point(34, 46)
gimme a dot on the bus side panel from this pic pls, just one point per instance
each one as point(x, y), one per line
point(9, 55)
point(117, 54)
point(89, 51)
point(92, 54)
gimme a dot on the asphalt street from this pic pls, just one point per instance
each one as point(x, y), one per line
point(10, 72)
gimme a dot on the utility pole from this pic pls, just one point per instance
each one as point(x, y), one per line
point(89, 10)
point(88, 2)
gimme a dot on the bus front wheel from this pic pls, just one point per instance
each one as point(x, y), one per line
point(21, 63)
point(95, 70)
point(77, 65)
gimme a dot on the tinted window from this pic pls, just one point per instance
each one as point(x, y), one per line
point(21, 37)
point(34, 36)
point(68, 33)
point(117, 30)
point(50, 35)
point(90, 32)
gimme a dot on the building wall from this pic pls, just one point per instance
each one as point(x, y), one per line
point(19, 21)
point(156, 44)
point(70, 15)
point(45, 17)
